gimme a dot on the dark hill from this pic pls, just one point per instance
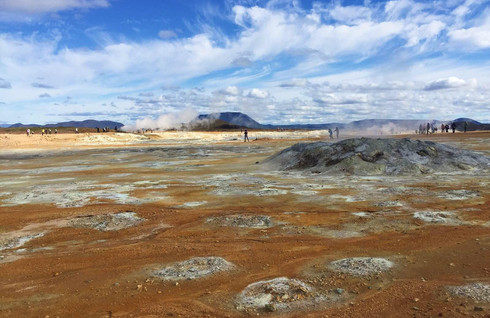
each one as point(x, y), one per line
point(233, 118)
point(89, 123)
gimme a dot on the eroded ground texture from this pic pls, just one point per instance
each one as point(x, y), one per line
point(194, 227)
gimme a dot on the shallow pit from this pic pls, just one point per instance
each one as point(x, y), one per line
point(107, 222)
point(245, 221)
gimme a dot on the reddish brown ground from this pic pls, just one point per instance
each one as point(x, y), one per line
point(88, 273)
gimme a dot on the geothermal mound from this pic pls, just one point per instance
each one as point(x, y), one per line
point(7, 242)
point(361, 266)
point(277, 294)
point(196, 267)
point(366, 156)
point(107, 222)
point(249, 221)
point(477, 292)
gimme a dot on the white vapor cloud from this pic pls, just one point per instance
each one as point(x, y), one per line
point(164, 122)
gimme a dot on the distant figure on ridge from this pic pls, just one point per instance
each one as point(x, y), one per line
point(245, 136)
point(465, 126)
point(453, 127)
point(337, 132)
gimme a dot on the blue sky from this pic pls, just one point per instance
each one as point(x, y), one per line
point(278, 61)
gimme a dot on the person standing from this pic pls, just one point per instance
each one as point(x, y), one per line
point(337, 132)
point(465, 126)
point(453, 127)
point(442, 127)
point(245, 136)
point(28, 132)
point(428, 128)
point(330, 133)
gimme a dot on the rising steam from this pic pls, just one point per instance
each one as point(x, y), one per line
point(164, 122)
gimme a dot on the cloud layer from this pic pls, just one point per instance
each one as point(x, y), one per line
point(279, 63)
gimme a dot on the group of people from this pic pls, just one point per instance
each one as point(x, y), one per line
point(106, 129)
point(44, 131)
point(431, 128)
point(330, 132)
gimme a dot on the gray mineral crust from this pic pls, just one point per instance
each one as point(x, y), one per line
point(361, 266)
point(107, 222)
point(278, 294)
point(369, 156)
point(193, 268)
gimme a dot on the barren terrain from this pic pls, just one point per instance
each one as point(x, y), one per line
point(188, 224)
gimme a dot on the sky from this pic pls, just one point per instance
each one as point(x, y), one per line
point(279, 61)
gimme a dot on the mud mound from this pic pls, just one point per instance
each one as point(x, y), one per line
point(477, 292)
point(366, 156)
point(249, 221)
point(8, 242)
point(279, 294)
point(107, 222)
point(361, 266)
point(196, 267)
point(441, 217)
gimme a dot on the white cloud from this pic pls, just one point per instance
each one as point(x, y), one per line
point(451, 82)
point(258, 93)
point(476, 37)
point(350, 14)
point(167, 34)
point(46, 6)
point(231, 91)
point(4, 83)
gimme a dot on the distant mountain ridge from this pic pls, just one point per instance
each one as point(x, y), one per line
point(89, 123)
point(237, 120)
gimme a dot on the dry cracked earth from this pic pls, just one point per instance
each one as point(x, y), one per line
point(201, 229)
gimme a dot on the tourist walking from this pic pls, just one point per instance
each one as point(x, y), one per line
point(330, 133)
point(428, 128)
point(28, 132)
point(453, 127)
point(245, 136)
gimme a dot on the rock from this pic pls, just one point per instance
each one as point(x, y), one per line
point(339, 291)
point(477, 308)
point(366, 156)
